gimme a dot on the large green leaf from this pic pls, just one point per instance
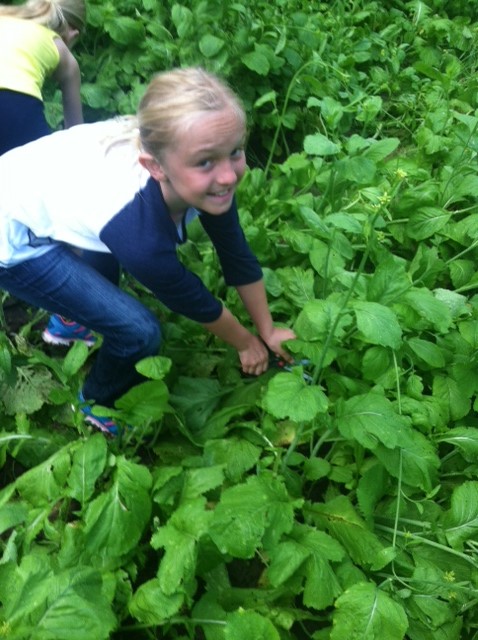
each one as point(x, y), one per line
point(427, 221)
point(317, 318)
point(179, 537)
point(307, 550)
point(369, 419)
point(125, 507)
point(89, 461)
point(45, 483)
point(197, 398)
point(366, 612)
point(414, 460)
point(251, 514)
point(427, 351)
point(343, 522)
point(41, 603)
point(460, 522)
point(288, 396)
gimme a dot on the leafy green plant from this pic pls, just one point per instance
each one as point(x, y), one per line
point(336, 505)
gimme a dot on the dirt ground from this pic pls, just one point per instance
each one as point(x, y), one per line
point(16, 314)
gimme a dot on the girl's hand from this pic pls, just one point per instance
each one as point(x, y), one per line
point(254, 358)
point(275, 339)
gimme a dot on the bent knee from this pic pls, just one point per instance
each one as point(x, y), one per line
point(149, 334)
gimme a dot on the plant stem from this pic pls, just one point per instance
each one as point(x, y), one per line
point(430, 543)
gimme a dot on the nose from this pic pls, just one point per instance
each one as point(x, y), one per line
point(226, 173)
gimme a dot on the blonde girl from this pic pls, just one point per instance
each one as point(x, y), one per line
point(129, 189)
point(35, 42)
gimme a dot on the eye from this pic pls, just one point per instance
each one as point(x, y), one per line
point(237, 153)
point(206, 163)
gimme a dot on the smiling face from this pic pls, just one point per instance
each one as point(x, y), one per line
point(204, 166)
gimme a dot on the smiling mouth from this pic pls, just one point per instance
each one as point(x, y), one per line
point(221, 194)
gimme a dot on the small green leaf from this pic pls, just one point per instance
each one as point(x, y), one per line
point(151, 606)
point(269, 96)
point(75, 358)
point(125, 30)
point(378, 324)
point(318, 145)
point(210, 45)
point(427, 351)
point(460, 523)
point(357, 169)
point(414, 460)
point(432, 311)
point(154, 367)
point(11, 515)
point(249, 624)
point(257, 62)
point(465, 439)
point(380, 149)
point(236, 455)
point(145, 401)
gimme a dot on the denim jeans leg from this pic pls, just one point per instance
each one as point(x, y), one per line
point(60, 282)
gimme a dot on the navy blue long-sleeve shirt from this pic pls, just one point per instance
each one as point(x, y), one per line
point(85, 191)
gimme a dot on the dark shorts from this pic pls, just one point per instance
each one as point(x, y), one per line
point(22, 119)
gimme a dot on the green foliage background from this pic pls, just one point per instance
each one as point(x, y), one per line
point(342, 505)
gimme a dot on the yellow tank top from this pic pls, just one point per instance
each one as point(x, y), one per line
point(28, 55)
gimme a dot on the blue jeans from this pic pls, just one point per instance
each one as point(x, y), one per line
point(61, 282)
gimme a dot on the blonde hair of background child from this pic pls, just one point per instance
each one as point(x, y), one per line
point(57, 15)
point(174, 99)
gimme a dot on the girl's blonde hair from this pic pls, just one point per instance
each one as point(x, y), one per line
point(57, 15)
point(174, 99)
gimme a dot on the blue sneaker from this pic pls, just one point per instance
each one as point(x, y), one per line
point(65, 332)
point(104, 424)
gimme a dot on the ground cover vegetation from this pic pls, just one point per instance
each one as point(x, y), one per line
point(343, 505)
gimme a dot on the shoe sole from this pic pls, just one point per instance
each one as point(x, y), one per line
point(49, 338)
point(113, 432)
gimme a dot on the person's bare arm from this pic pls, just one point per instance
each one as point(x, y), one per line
point(68, 77)
point(254, 299)
point(253, 353)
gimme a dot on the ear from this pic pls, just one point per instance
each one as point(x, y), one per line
point(151, 165)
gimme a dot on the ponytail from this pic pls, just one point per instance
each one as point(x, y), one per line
point(57, 15)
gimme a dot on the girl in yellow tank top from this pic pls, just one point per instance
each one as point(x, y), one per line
point(35, 41)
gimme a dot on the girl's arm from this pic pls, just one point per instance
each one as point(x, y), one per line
point(67, 74)
point(253, 354)
point(254, 298)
